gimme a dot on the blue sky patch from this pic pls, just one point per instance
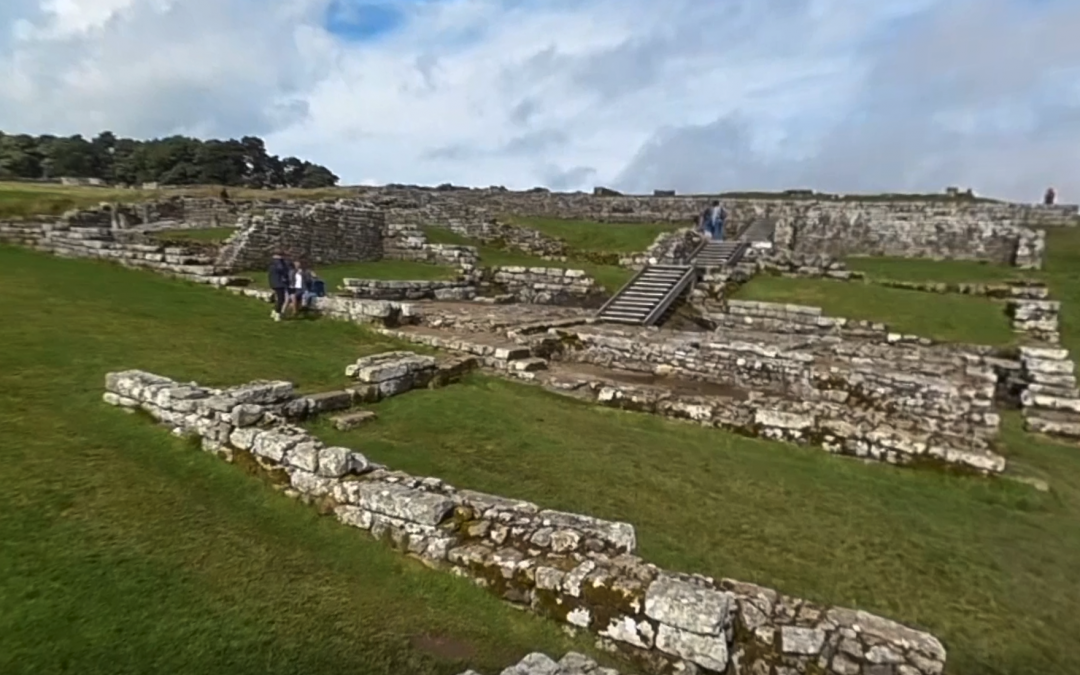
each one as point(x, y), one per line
point(361, 21)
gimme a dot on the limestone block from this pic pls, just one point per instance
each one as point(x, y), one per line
point(706, 651)
point(424, 508)
point(687, 606)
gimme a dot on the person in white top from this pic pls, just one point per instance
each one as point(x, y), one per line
point(299, 283)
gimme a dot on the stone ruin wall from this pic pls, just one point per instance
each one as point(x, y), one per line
point(527, 285)
point(579, 570)
point(956, 229)
point(473, 221)
point(408, 242)
point(321, 233)
point(896, 402)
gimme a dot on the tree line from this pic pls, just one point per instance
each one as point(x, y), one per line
point(176, 160)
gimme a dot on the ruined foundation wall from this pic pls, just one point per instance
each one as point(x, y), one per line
point(321, 233)
point(851, 395)
point(421, 209)
point(941, 228)
point(576, 569)
point(408, 242)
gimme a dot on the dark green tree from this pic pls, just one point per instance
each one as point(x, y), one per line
point(175, 160)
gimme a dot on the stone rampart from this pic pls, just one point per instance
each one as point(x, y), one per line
point(576, 569)
point(685, 208)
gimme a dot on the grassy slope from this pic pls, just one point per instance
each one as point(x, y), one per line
point(987, 565)
point(146, 538)
point(123, 550)
point(197, 566)
point(943, 316)
point(951, 271)
point(19, 200)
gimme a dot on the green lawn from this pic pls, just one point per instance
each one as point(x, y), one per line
point(945, 271)
point(987, 565)
point(22, 200)
point(585, 235)
point(399, 270)
point(126, 551)
point(123, 550)
point(204, 234)
point(947, 317)
point(610, 277)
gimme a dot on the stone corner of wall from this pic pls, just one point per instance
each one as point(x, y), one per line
point(577, 569)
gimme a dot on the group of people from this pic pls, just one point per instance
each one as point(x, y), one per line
point(294, 284)
point(712, 220)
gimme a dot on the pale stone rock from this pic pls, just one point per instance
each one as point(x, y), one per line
point(689, 607)
point(803, 641)
point(706, 651)
point(424, 508)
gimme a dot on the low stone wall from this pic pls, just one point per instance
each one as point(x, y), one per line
point(576, 569)
point(320, 233)
point(539, 285)
point(408, 242)
point(787, 263)
point(776, 317)
point(375, 289)
point(428, 209)
point(669, 248)
point(194, 262)
point(1036, 318)
point(383, 313)
point(894, 402)
point(1050, 400)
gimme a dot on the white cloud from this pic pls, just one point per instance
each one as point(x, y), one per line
point(841, 95)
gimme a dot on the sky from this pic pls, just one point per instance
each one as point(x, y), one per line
point(691, 95)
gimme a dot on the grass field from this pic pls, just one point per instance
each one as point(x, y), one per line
point(125, 550)
point(951, 271)
point(584, 235)
point(20, 200)
point(948, 317)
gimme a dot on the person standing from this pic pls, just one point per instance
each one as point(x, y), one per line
point(278, 278)
point(300, 287)
point(1050, 196)
point(713, 219)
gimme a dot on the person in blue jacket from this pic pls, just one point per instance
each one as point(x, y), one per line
point(278, 278)
point(713, 219)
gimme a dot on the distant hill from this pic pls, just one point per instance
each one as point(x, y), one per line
point(176, 160)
